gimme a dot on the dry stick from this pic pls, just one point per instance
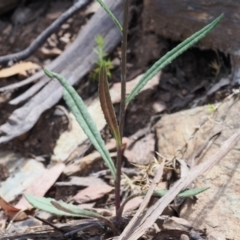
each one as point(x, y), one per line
point(26, 116)
point(84, 229)
point(123, 66)
point(44, 35)
point(156, 210)
point(50, 224)
point(24, 82)
point(35, 44)
point(143, 206)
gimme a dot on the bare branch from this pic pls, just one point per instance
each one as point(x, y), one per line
point(44, 35)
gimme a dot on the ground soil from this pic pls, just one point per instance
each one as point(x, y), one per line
point(183, 82)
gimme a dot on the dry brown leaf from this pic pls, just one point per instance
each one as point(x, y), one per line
point(92, 193)
point(132, 204)
point(42, 184)
point(14, 213)
point(11, 210)
point(19, 68)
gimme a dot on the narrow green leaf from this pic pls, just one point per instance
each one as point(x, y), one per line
point(64, 209)
point(170, 56)
point(103, 5)
point(186, 193)
point(59, 208)
point(192, 192)
point(161, 193)
point(84, 119)
point(106, 104)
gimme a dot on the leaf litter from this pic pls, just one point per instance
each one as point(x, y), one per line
point(173, 168)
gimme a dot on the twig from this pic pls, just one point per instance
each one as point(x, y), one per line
point(153, 213)
point(136, 217)
point(13, 219)
point(44, 35)
point(83, 228)
point(50, 224)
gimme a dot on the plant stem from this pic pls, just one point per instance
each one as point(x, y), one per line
point(118, 187)
point(122, 112)
point(123, 67)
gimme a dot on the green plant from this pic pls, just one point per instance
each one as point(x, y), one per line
point(101, 58)
point(212, 108)
point(78, 108)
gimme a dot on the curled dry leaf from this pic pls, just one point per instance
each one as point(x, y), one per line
point(14, 213)
point(107, 106)
point(8, 208)
point(19, 68)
